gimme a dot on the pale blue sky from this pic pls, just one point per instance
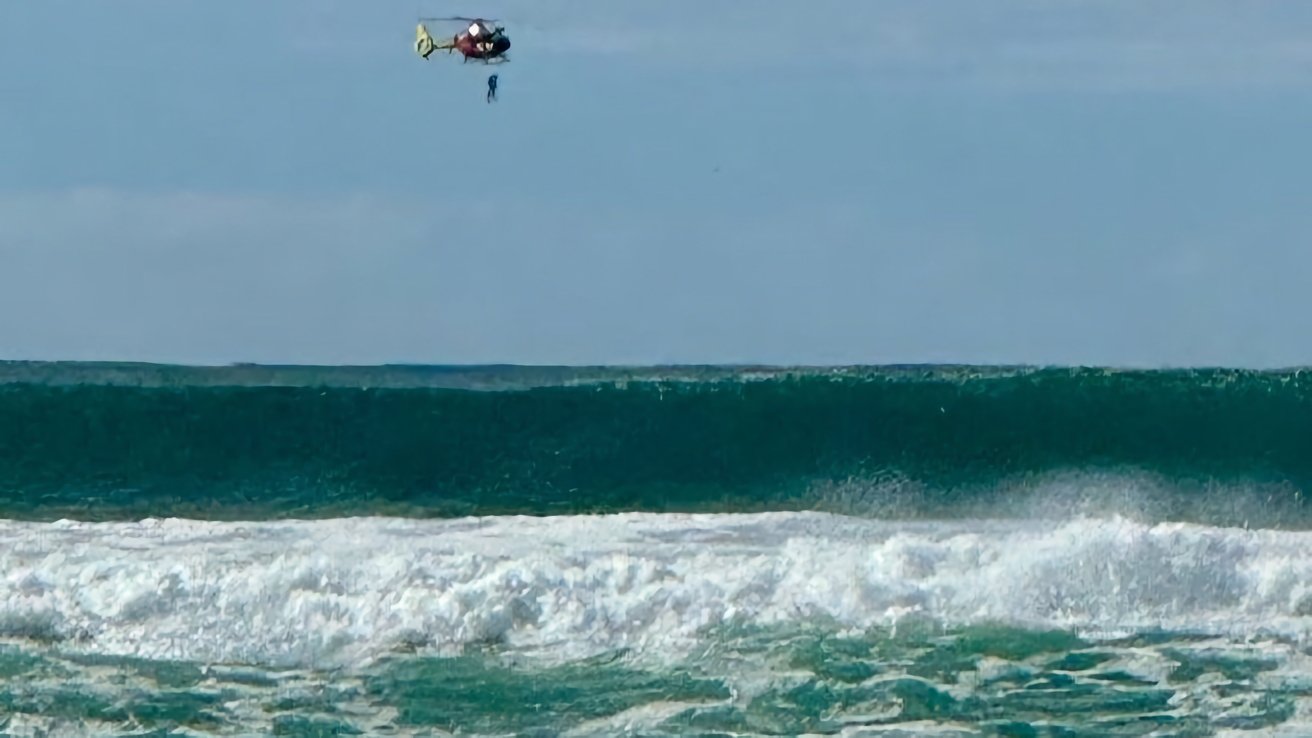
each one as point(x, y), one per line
point(1112, 182)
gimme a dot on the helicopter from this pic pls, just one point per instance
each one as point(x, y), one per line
point(478, 41)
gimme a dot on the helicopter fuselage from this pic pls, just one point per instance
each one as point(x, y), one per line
point(473, 48)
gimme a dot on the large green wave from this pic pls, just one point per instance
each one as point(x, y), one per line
point(115, 442)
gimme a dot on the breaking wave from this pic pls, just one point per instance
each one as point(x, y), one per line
point(125, 442)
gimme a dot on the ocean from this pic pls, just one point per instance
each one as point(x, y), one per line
point(708, 551)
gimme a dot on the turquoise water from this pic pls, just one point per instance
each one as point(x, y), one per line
point(673, 551)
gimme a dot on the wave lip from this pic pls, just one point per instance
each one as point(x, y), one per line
point(347, 592)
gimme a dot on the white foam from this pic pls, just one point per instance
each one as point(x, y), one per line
point(315, 593)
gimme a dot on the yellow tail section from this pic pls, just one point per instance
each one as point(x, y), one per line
point(424, 43)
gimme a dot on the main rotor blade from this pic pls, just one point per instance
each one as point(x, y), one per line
point(462, 18)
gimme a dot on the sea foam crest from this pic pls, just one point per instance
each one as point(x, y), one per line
point(341, 592)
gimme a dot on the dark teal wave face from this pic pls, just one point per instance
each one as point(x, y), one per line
point(1217, 446)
